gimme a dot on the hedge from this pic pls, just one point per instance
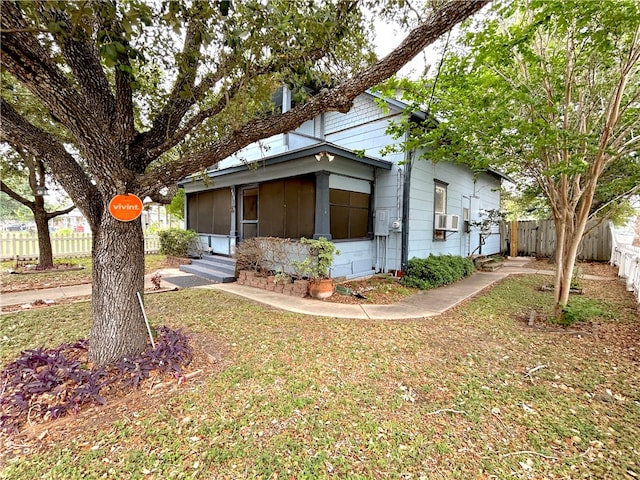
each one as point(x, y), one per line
point(175, 241)
point(435, 271)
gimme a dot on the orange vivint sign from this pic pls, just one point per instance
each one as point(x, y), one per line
point(125, 207)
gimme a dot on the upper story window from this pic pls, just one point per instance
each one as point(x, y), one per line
point(284, 100)
point(277, 99)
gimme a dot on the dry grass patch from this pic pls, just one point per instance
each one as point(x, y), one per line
point(292, 396)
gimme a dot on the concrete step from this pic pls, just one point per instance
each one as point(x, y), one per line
point(208, 273)
point(490, 266)
point(215, 262)
point(213, 267)
point(480, 260)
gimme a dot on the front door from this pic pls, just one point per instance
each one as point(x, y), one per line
point(249, 213)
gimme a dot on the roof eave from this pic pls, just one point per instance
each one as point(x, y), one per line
point(299, 153)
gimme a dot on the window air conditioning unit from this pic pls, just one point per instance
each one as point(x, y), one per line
point(447, 222)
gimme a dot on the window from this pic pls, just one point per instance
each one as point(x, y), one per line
point(349, 213)
point(439, 207)
point(276, 99)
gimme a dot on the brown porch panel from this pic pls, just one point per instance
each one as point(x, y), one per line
point(210, 211)
point(286, 208)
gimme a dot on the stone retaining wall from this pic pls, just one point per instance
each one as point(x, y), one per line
point(295, 288)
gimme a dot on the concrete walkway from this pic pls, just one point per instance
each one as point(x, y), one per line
point(421, 305)
point(424, 304)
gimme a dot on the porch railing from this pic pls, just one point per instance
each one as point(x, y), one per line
point(219, 244)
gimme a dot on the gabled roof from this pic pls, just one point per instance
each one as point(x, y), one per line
point(422, 115)
point(399, 104)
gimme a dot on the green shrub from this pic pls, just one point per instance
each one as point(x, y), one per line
point(415, 282)
point(175, 241)
point(581, 310)
point(434, 271)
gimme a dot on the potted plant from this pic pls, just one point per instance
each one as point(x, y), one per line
point(317, 266)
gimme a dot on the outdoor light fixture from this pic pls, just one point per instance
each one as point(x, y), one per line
point(327, 155)
point(41, 191)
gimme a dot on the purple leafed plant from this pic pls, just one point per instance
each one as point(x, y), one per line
point(155, 279)
point(55, 382)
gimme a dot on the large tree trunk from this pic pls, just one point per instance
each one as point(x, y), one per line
point(45, 251)
point(118, 329)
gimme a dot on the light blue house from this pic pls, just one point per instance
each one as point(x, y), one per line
point(316, 181)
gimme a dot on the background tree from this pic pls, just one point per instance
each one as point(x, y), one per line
point(23, 175)
point(547, 92)
point(131, 81)
point(176, 207)
point(18, 162)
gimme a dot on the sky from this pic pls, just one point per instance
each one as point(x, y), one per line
point(389, 36)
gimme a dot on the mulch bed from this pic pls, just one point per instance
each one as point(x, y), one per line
point(599, 269)
point(209, 358)
point(378, 290)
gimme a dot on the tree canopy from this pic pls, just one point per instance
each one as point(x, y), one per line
point(547, 92)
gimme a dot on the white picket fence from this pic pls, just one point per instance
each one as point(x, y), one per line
point(627, 259)
point(25, 245)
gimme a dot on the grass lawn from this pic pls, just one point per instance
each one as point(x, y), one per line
point(291, 396)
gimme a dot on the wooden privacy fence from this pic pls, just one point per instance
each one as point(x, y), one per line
point(537, 238)
point(25, 245)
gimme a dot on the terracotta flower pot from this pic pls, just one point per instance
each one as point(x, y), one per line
point(321, 288)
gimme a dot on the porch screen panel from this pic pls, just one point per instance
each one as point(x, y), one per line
point(300, 203)
point(287, 208)
point(210, 212)
point(221, 211)
point(350, 214)
point(205, 212)
point(272, 212)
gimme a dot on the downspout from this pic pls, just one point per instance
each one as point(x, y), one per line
point(406, 189)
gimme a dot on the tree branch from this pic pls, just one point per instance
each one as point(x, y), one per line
point(57, 213)
point(164, 134)
point(81, 55)
point(617, 199)
point(16, 196)
point(25, 58)
point(124, 116)
point(339, 99)
point(181, 98)
point(45, 146)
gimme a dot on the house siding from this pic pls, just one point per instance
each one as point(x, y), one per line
point(364, 110)
point(363, 128)
point(388, 199)
point(463, 191)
